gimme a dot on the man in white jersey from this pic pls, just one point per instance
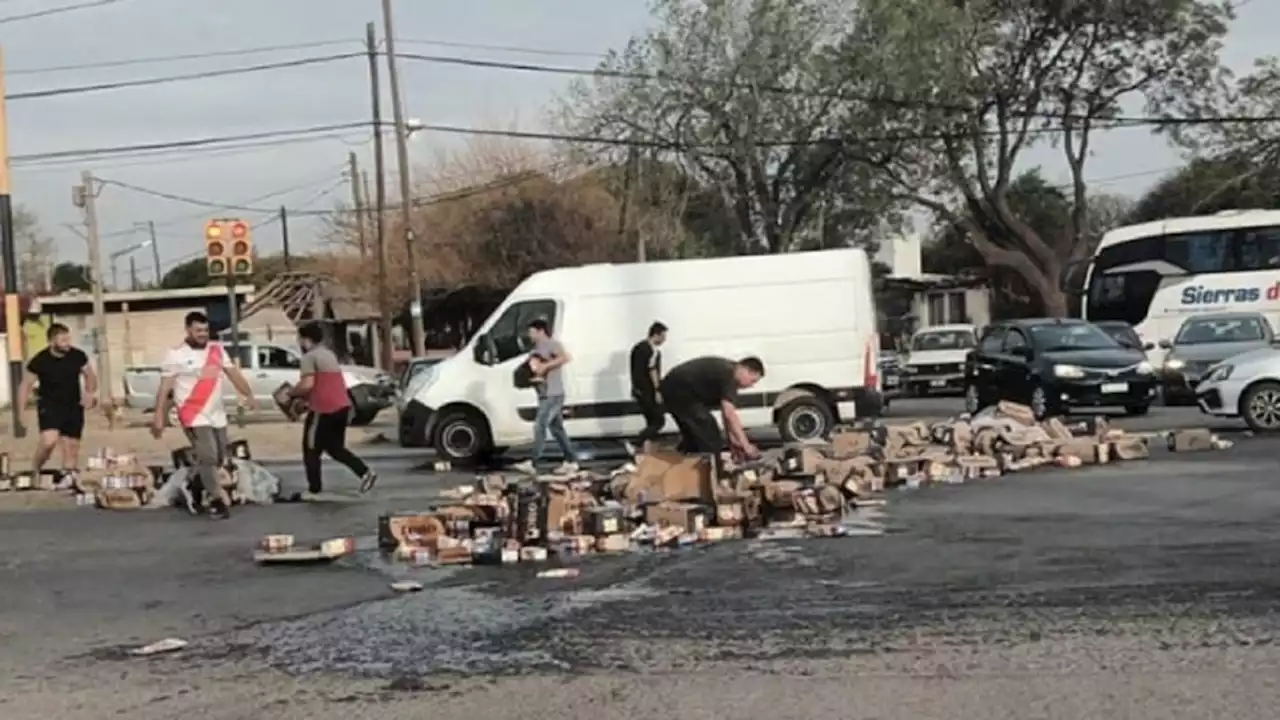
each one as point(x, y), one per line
point(193, 373)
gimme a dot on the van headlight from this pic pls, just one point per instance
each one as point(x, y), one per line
point(1174, 364)
point(1218, 374)
point(1069, 372)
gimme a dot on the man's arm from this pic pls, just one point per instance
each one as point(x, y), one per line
point(653, 371)
point(733, 424)
point(307, 379)
point(559, 357)
point(24, 390)
point(163, 393)
point(239, 382)
point(90, 382)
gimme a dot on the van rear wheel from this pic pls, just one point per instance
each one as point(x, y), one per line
point(805, 418)
point(461, 436)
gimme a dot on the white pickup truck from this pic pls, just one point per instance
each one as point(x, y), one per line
point(266, 367)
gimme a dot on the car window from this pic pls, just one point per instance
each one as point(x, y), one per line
point(272, 357)
point(510, 334)
point(1071, 336)
point(1014, 340)
point(992, 342)
point(1123, 334)
point(942, 340)
point(1207, 330)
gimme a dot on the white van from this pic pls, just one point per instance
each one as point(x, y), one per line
point(810, 317)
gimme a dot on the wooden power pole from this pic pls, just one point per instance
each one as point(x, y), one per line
point(386, 344)
point(417, 328)
point(12, 314)
point(357, 207)
point(85, 195)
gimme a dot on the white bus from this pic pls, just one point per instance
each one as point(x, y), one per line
point(1155, 275)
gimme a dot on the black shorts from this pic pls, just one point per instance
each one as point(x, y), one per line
point(66, 420)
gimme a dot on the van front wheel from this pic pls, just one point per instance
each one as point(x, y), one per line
point(805, 418)
point(461, 436)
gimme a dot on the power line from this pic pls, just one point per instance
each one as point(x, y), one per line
point(157, 59)
point(57, 10)
point(500, 48)
point(205, 74)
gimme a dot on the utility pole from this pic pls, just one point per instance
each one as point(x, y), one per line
point(155, 251)
point(115, 275)
point(12, 314)
point(357, 207)
point(133, 276)
point(385, 344)
point(417, 329)
point(284, 238)
point(86, 195)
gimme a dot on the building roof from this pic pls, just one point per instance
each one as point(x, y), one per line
point(77, 297)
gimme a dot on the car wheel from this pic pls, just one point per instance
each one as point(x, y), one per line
point(461, 436)
point(806, 418)
point(1260, 407)
point(1137, 410)
point(1041, 406)
point(972, 399)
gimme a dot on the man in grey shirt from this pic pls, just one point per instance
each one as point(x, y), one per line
point(546, 361)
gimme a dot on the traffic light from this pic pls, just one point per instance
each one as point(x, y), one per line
point(241, 249)
point(215, 249)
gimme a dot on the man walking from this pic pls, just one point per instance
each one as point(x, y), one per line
point(328, 414)
point(546, 361)
point(61, 404)
point(646, 370)
point(693, 389)
point(192, 372)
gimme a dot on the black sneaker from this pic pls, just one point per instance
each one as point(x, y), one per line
point(368, 481)
point(218, 510)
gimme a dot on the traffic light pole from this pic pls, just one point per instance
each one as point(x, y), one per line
point(235, 319)
point(13, 321)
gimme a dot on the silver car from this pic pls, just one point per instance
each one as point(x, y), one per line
point(1246, 386)
point(1204, 341)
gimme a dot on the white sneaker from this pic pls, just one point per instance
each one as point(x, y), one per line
point(526, 467)
point(569, 468)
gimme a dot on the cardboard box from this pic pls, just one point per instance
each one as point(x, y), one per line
point(119, 499)
point(412, 529)
point(685, 516)
point(1130, 448)
point(671, 476)
point(613, 543)
point(1191, 441)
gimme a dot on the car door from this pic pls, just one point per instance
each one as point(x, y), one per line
point(1014, 375)
point(511, 410)
point(984, 363)
point(275, 365)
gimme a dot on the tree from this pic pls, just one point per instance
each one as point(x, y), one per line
point(994, 78)
point(34, 250)
point(747, 96)
point(192, 273)
point(1248, 143)
point(71, 276)
point(1211, 185)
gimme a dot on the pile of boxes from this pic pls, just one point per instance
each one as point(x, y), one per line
point(665, 499)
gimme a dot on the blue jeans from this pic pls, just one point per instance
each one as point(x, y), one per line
point(550, 418)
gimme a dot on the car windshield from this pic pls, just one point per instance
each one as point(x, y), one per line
point(1122, 334)
point(943, 340)
point(1206, 331)
point(1076, 336)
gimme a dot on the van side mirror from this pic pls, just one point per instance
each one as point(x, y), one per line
point(1165, 345)
point(485, 352)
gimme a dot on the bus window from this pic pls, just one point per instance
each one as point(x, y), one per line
point(1204, 252)
point(1122, 296)
point(1259, 248)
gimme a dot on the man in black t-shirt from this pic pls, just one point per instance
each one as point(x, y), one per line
point(646, 369)
point(60, 405)
point(692, 390)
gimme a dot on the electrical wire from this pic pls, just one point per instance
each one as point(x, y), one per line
point(499, 48)
point(158, 59)
point(202, 75)
point(57, 10)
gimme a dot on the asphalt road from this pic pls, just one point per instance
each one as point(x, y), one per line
point(1144, 590)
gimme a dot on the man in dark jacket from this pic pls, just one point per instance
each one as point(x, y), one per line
point(693, 389)
point(646, 370)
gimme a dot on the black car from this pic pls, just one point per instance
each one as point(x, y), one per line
point(1055, 365)
point(1123, 333)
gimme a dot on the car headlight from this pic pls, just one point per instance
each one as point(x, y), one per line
point(1068, 371)
point(1144, 368)
point(1218, 374)
point(1174, 364)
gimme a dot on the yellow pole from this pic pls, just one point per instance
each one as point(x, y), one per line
point(12, 316)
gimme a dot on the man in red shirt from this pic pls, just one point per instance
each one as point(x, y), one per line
point(329, 409)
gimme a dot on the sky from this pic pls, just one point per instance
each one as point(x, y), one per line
point(307, 176)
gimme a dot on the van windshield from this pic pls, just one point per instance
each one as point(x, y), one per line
point(943, 340)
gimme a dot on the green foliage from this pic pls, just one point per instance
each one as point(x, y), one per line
point(71, 276)
point(192, 273)
point(1208, 186)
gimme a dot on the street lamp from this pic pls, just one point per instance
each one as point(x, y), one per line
point(115, 277)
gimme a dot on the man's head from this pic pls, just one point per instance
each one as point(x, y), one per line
point(657, 333)
point(310, 335)
point(59, 337)
point(197, 324)
point(748, 371)
point(539, 330)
